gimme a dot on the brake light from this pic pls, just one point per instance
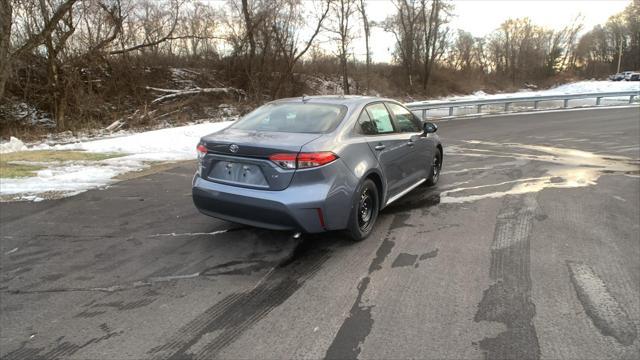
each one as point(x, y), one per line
point(308, 160)
point(303, 160)
point(202, 151)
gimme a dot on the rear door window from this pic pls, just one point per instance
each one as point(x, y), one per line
point(380, 116)
point(367, 126)
point(405, 120)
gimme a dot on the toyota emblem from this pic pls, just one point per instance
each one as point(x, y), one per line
point(234, 148)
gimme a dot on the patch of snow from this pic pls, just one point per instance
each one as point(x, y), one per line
point(71, 178)
point(580, 87)
point(592, 86)
point(13, 145)
point(184, 78)
point(178, 143)
point(31, 115)
point(325, 85)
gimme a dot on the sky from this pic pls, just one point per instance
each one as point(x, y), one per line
point(481, 17)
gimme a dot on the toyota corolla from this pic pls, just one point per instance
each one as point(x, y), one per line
point(315, 164)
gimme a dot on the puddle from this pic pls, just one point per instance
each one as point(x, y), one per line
point(565, 168)
point(405, 259)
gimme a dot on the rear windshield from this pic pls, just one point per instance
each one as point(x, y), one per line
point(294, 118)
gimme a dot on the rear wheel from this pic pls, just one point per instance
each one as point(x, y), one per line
point(436, 166)
point(364, 211)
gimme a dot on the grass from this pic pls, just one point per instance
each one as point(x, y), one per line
point(16, 164)
point(17, 170)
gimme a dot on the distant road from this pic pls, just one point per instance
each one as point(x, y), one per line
point(528, 248)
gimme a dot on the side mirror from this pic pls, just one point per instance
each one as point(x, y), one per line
point(429, 127)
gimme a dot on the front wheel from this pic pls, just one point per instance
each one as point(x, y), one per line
point(436, 166)
point(364, 211)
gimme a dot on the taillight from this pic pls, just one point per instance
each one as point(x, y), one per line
point(303, 160)
point(202, 151)
point(308, 160)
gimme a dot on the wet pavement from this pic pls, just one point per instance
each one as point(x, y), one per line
point(528, 248)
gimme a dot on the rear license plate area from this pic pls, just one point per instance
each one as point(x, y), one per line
point(238, 173)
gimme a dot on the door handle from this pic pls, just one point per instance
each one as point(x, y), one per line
point(379, 147)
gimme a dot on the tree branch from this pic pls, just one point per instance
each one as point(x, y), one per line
point(168, 36)
point(315, 33)
point(47, 29)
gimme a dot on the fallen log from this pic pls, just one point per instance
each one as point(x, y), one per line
point(173, 94)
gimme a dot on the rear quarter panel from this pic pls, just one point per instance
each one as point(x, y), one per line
point(353, 150)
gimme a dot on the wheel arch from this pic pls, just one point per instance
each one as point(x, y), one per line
point(439, 147)
point(376, 177)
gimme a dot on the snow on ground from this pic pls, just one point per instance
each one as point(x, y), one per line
point(13, 145)
point(178, 143)
point(70, 178)
point(31, 115)
point(580, 87)
point(593, 86)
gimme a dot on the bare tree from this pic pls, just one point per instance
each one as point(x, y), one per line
point(571, 38)
point(480, 55)
point(406, 28)
point(158, 26)
point(55, 43)
point(249, 26)
point(31, 39)
point(462, 55)
point(196, 29)
point(367, 33)
point(291, 52)
point(435, 37)
point(342, 10)
point(6, 19)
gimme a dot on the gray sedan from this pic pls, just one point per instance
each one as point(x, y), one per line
point(315, 164)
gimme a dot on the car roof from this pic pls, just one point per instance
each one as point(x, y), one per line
point(348, 100)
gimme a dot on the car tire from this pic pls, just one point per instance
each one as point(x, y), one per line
point(364, 211)
point(434, 171)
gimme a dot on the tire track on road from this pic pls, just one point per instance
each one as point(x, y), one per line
point(228, 319)
point(605, 311)
point(508, 299)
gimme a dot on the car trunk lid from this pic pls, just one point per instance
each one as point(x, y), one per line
point(241, 157)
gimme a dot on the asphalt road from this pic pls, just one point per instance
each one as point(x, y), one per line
point(528, 248)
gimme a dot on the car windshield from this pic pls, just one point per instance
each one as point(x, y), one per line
point(295, 118)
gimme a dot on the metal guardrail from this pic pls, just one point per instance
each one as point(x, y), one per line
point(424, 106)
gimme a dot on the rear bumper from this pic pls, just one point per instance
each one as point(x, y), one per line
point(319, 192)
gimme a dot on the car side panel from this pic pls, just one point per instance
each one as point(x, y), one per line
point(393, 159)
point(419, 161)
point(423, 154)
